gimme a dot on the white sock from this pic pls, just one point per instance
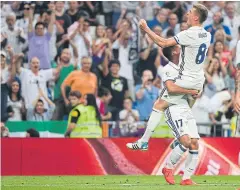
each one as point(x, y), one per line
point(153, 122)
point(191, 164)
point(175, 156)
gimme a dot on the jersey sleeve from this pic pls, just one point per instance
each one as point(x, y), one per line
point(184, 38)
point(167, 75)
point(74, 116)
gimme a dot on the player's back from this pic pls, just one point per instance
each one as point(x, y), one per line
point(195, 43)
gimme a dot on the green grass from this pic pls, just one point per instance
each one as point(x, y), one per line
point(116, 183)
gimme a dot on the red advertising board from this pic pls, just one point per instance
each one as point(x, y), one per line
point(19, 156)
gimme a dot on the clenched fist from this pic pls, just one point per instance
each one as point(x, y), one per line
point(143, 24)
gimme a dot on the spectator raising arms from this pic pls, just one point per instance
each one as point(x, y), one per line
point(32, 79)
point(39, 41)
point(115, 83)
point(215, 73)
point(146, 95)
point(37, 112)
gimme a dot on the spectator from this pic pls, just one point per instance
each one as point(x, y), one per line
point(121, 49)
point(173, 24)
point(215, 74)
point(232, 19)
point(200, 112)
point(219, 105)
point(99, 45)
point(14, 35)
point(128, 114)
point(108, 12)
point(32, 133)
point(115, 83)
point(83, 80)
point(147, 9)
point(16, 105)
point(6, 75)
point(66, 69)
point(37, 112)
point(5, 10)
point(32, 79)
point(218, 24)
point(219, 51)
point(63, 19)
point(150, 54)
point(160, 19)
point(176, 7)
point(82, 39)
point(110, 34)
point(45, 17)
point(103, 99)
point(24, 22)
point(4, 131)
point(146, 94)
point(183, 26)
point(40, 41)
point(72, 12)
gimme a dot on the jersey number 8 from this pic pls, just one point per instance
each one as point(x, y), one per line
point(201, 53)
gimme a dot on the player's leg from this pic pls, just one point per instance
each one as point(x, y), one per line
point(192, 158)
point(176, 122)
point(153, 122)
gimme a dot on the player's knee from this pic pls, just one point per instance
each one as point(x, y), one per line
point(185, 140)
point(160, 105)
point(194, 144)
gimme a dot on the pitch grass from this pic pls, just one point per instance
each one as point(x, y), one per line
point(114, 182)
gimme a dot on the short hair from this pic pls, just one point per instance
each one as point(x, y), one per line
point(41, 101)
point(33, 132)
point(39, 23)
point(11, 14)
point(167, 52)
point(128, 98)
point(114, 61)
point(75, 94)
point(103, 92)
point(88, 58)
point(202, 11)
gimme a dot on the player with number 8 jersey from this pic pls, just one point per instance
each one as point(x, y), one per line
point(173, 101)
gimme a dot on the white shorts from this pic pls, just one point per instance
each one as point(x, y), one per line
point(181, 98)
point(180, 119)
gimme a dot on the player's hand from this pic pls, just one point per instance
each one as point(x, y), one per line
point(194, 92)
point(143, 24)
point(236, 105)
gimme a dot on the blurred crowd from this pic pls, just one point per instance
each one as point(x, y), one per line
point(51, 48)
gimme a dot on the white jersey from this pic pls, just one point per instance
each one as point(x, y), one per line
point(194, 46)
point(169, 72)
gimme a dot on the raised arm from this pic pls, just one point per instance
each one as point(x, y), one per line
point(106, 62)
point(46, 98)
point(162, 42)
point(52, 21)
point(30, 23)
